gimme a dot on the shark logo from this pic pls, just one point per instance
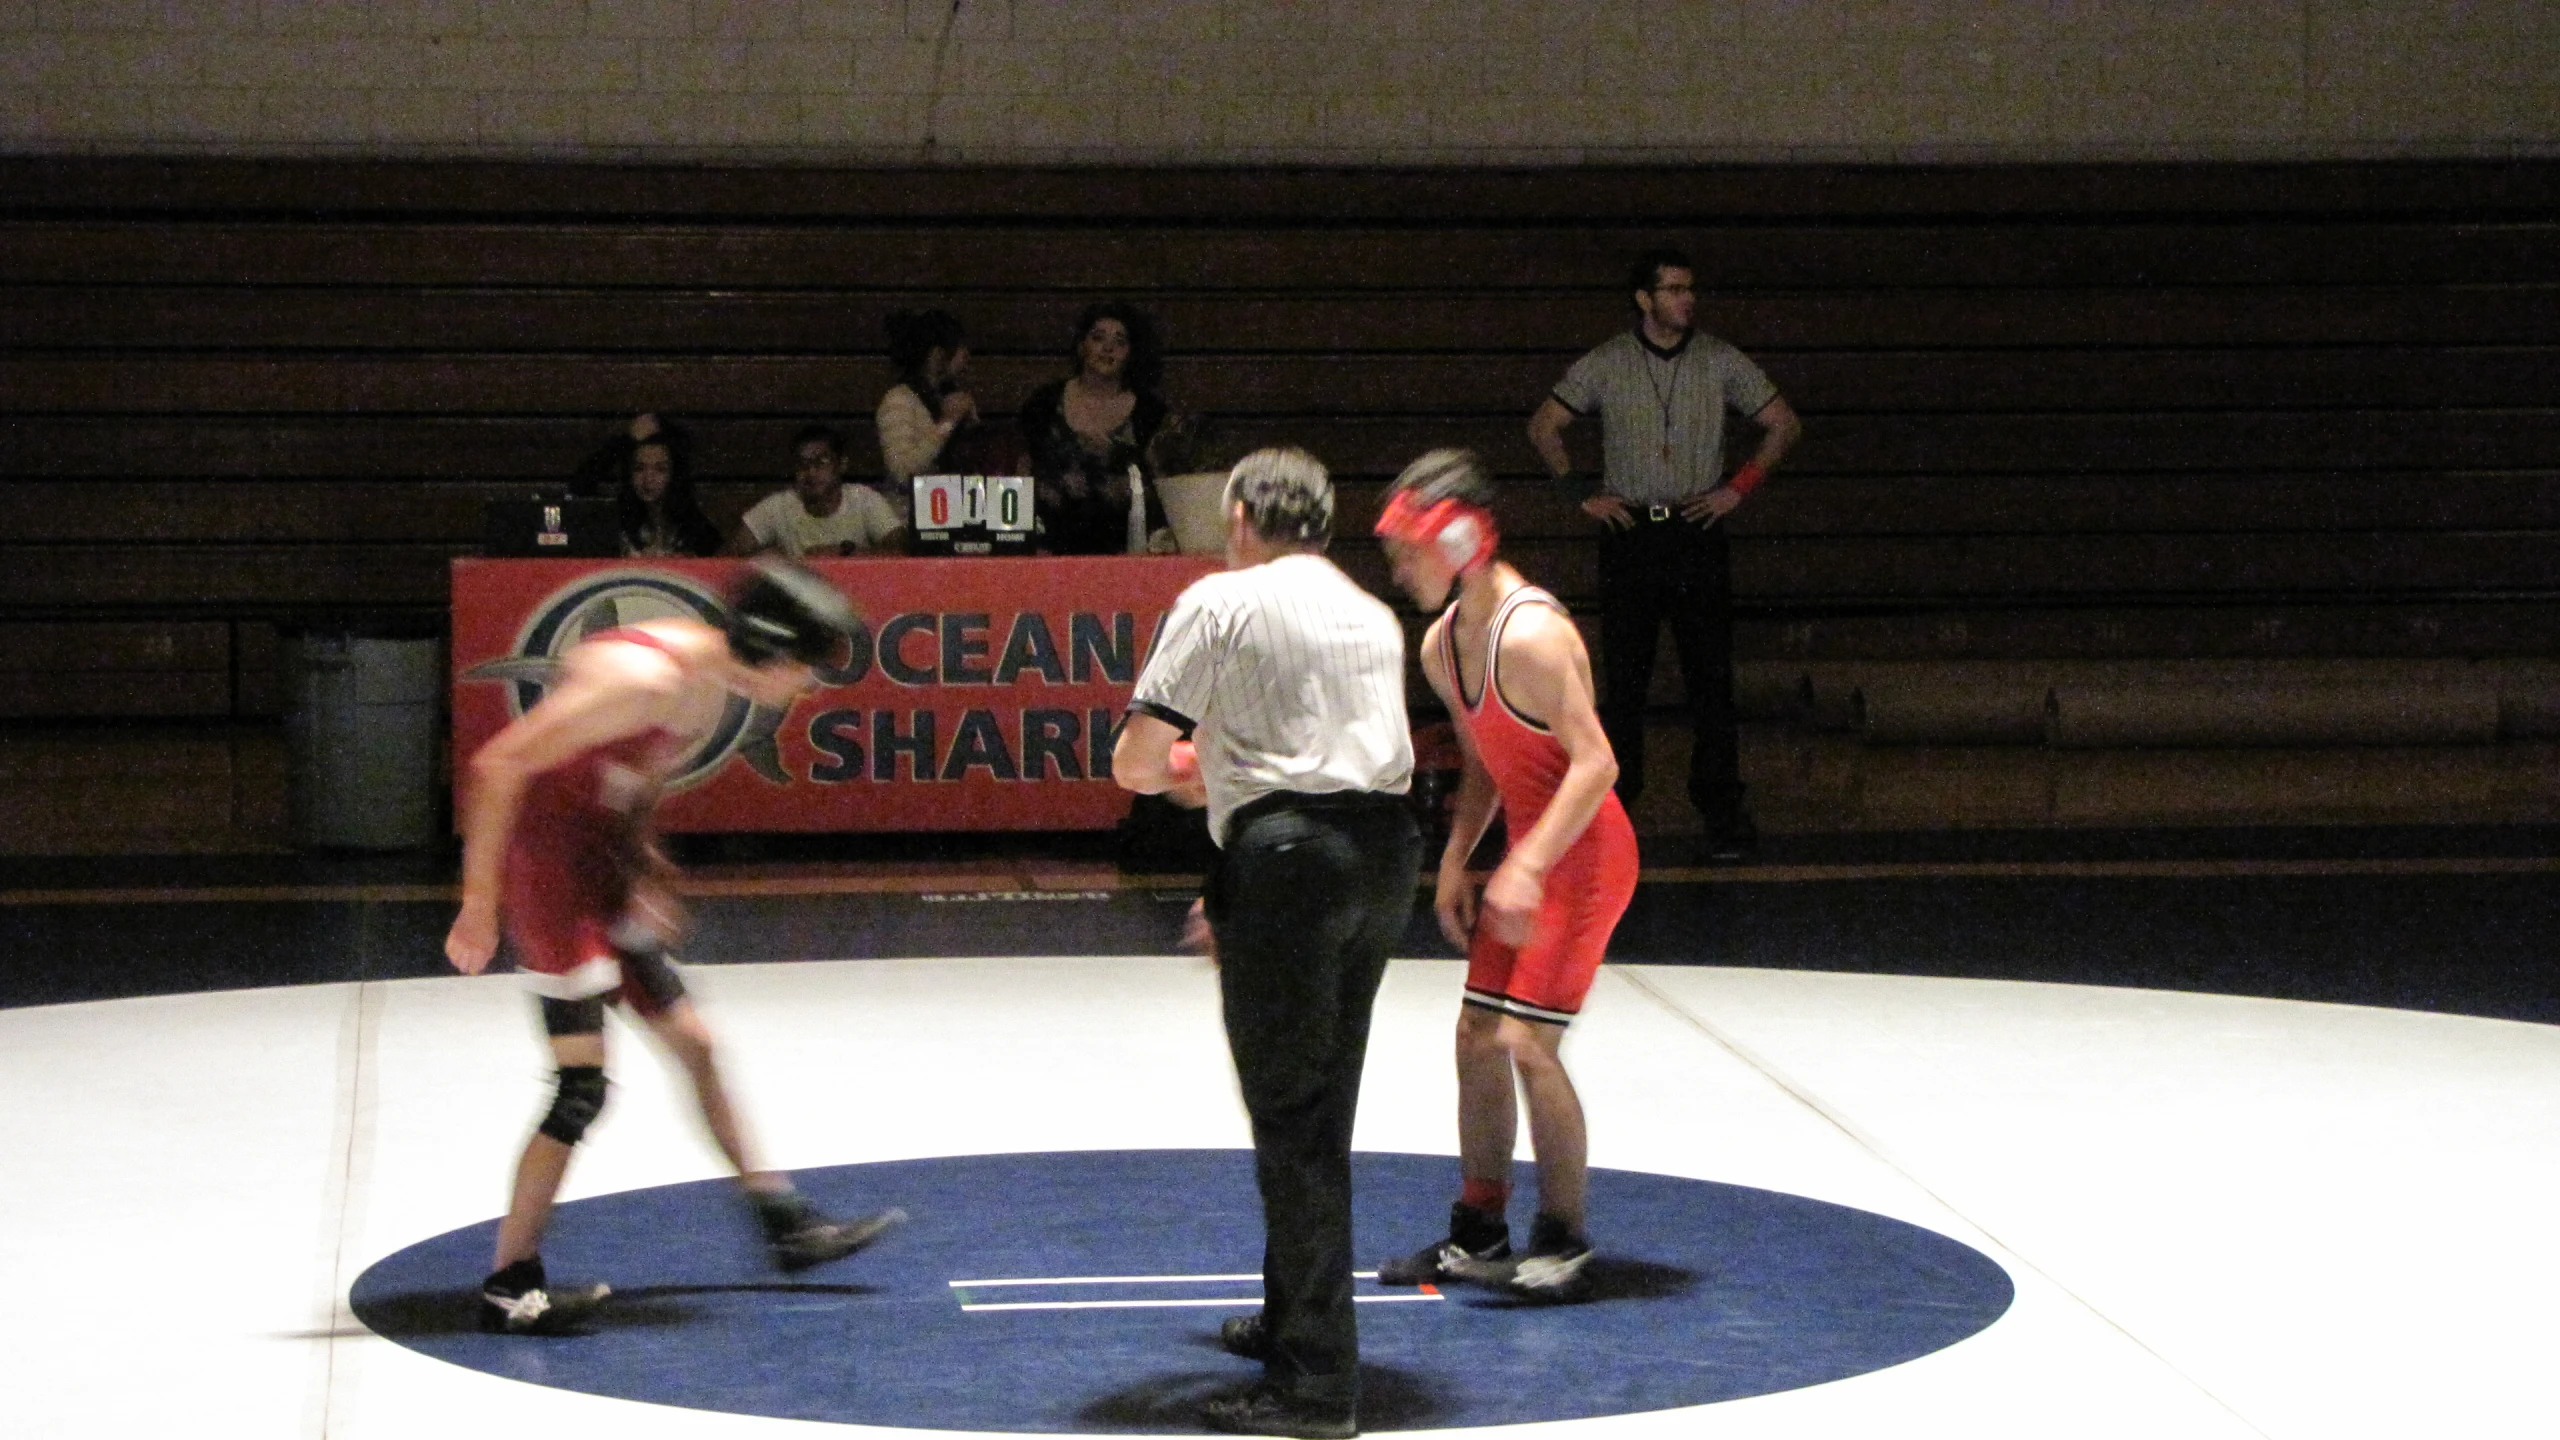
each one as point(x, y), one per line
point(609, 600)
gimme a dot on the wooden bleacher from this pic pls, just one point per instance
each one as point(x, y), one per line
point(2052, 413)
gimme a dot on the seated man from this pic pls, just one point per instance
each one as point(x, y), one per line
point(820, 514)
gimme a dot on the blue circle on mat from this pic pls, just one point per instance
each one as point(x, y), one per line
point(1707, 1292)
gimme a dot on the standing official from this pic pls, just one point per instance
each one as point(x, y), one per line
point(1661, 391)
point(1291, 680)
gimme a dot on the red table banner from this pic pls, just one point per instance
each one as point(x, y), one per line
point(983, 695)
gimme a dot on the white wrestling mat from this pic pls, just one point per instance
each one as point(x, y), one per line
point(2222, 1217)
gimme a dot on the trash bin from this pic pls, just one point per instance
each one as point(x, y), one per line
point(360, 724)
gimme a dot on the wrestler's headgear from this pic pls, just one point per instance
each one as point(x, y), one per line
point(779, 610)
point(1435, 504)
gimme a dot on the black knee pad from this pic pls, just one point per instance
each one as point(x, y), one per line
point(573, 1017)
point(576, 1104)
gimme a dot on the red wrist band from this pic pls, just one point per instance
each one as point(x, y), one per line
point(1183, 764)
point(1746, 479)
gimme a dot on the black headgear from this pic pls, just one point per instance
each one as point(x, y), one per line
point(782, 610)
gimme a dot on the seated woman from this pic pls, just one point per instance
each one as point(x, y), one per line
point(923, 414)
point(651, 481)
point(1084, 434)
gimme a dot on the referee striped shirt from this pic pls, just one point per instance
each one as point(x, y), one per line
point(1294, 679)
point(1662, 411)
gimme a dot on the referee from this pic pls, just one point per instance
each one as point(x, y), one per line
point(1290, 679)
point(1662, 391)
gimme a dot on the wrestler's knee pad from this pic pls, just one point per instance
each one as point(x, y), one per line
point(576, 1104)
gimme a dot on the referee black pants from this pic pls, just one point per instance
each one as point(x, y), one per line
point(1310, 894)
point(1674, 572)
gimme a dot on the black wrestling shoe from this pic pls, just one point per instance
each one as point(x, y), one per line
point(1555, 1270)
point(1473, 1236)
point(1245, 1336)
point(1264, 1410)
point(519, 1301)
point(799, 1235)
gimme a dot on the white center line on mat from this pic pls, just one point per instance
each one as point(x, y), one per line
point(1130, 1280)
point(1230, 1302)
point(965, 1286)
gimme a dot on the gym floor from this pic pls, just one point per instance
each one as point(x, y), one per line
point(2112, 1133)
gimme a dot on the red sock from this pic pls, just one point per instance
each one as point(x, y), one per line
point(1485, 1197)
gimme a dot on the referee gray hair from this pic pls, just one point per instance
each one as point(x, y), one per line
point(1286, 495)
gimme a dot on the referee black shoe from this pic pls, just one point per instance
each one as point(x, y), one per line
point(799, 1235)
point(1245, 1336)
point(519, 1300)
point(1474, 1237)
point(1267, 1410)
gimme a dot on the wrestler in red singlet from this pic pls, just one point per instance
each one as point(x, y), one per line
point(577, 847)
point(1536, 933)
point(556, 850)
point(1587, 888)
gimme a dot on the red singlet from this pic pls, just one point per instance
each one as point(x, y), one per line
point(571, 860)
point(1589, 885)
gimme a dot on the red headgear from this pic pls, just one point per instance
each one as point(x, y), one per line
point(1463, 534)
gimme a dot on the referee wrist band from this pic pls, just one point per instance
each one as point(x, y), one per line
point(1579, 484)
point(1746, 479)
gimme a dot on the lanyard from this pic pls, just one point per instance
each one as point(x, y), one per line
point(1662, 394)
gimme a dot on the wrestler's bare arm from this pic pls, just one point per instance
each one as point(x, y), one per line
point(1453, 897)
point(1477, 800)
point(608, 692)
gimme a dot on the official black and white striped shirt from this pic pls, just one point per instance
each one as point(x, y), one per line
point(1294, 677)
point(1662, 412)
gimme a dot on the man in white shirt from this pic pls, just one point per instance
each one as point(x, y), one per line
point(820, 514)
point(1290, 679)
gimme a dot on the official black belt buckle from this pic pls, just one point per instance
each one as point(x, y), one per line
point(1657, 512)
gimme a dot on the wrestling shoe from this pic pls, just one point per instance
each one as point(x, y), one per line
point(1553, 1271)
point(1264, 1410)
point(799, 1235)
point(1474, 1236)
point(1245, 1336)
point(519, 1301)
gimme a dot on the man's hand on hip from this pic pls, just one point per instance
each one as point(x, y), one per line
point(1611, 511)
point(1709, 506)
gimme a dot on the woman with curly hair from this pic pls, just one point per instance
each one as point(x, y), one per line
point(1083, 436)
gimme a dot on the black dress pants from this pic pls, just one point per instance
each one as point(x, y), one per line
point(1671, 571)
point(1310, 894)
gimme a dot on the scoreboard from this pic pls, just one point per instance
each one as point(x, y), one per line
point(973, 515)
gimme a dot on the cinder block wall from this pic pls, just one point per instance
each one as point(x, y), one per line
point(1340, 81)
